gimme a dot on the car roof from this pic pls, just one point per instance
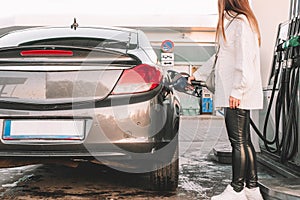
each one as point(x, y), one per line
point(27, 36)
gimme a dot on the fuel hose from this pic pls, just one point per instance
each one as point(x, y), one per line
point(285, 139)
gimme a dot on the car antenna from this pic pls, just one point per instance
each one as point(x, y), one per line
point(74, 25)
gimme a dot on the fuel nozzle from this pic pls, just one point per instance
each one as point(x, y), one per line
point(293, 42)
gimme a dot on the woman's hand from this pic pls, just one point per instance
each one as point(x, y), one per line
point(190, 79)
point(234, 103)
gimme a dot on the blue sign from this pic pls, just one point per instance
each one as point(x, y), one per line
point(167, 46)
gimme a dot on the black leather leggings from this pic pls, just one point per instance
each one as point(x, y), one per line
point(244, 169)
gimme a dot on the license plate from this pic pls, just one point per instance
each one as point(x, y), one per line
point(51, 129)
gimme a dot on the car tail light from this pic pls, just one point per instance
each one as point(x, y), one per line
point(44, 52)
point(141, 78)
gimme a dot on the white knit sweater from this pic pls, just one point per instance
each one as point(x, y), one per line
point(238, 67)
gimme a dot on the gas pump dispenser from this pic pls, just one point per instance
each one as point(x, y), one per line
point(281, 125)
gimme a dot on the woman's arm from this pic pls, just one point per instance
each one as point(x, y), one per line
point(243, 58)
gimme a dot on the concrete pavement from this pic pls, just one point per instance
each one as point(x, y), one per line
point(199, 136)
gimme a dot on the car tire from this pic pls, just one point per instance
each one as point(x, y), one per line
point(165, 177)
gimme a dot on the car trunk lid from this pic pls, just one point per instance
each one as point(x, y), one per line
point(61, 74)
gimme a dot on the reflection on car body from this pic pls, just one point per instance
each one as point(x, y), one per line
point(90, 94)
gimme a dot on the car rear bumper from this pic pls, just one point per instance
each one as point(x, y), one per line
point(107, 124)
point(111, 130)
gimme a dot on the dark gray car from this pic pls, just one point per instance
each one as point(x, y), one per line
point(90, 94)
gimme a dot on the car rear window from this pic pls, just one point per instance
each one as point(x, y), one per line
point(63, 45)
point(82, 37)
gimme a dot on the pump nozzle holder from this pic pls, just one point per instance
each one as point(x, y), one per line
point(293, 42)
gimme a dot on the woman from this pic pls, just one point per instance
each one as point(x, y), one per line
point(238, 90)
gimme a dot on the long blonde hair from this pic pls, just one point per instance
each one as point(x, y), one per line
point(239, 7)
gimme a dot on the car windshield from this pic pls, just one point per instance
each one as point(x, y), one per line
point(82, 37)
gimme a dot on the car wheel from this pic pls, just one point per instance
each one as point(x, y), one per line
point(165, 178)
